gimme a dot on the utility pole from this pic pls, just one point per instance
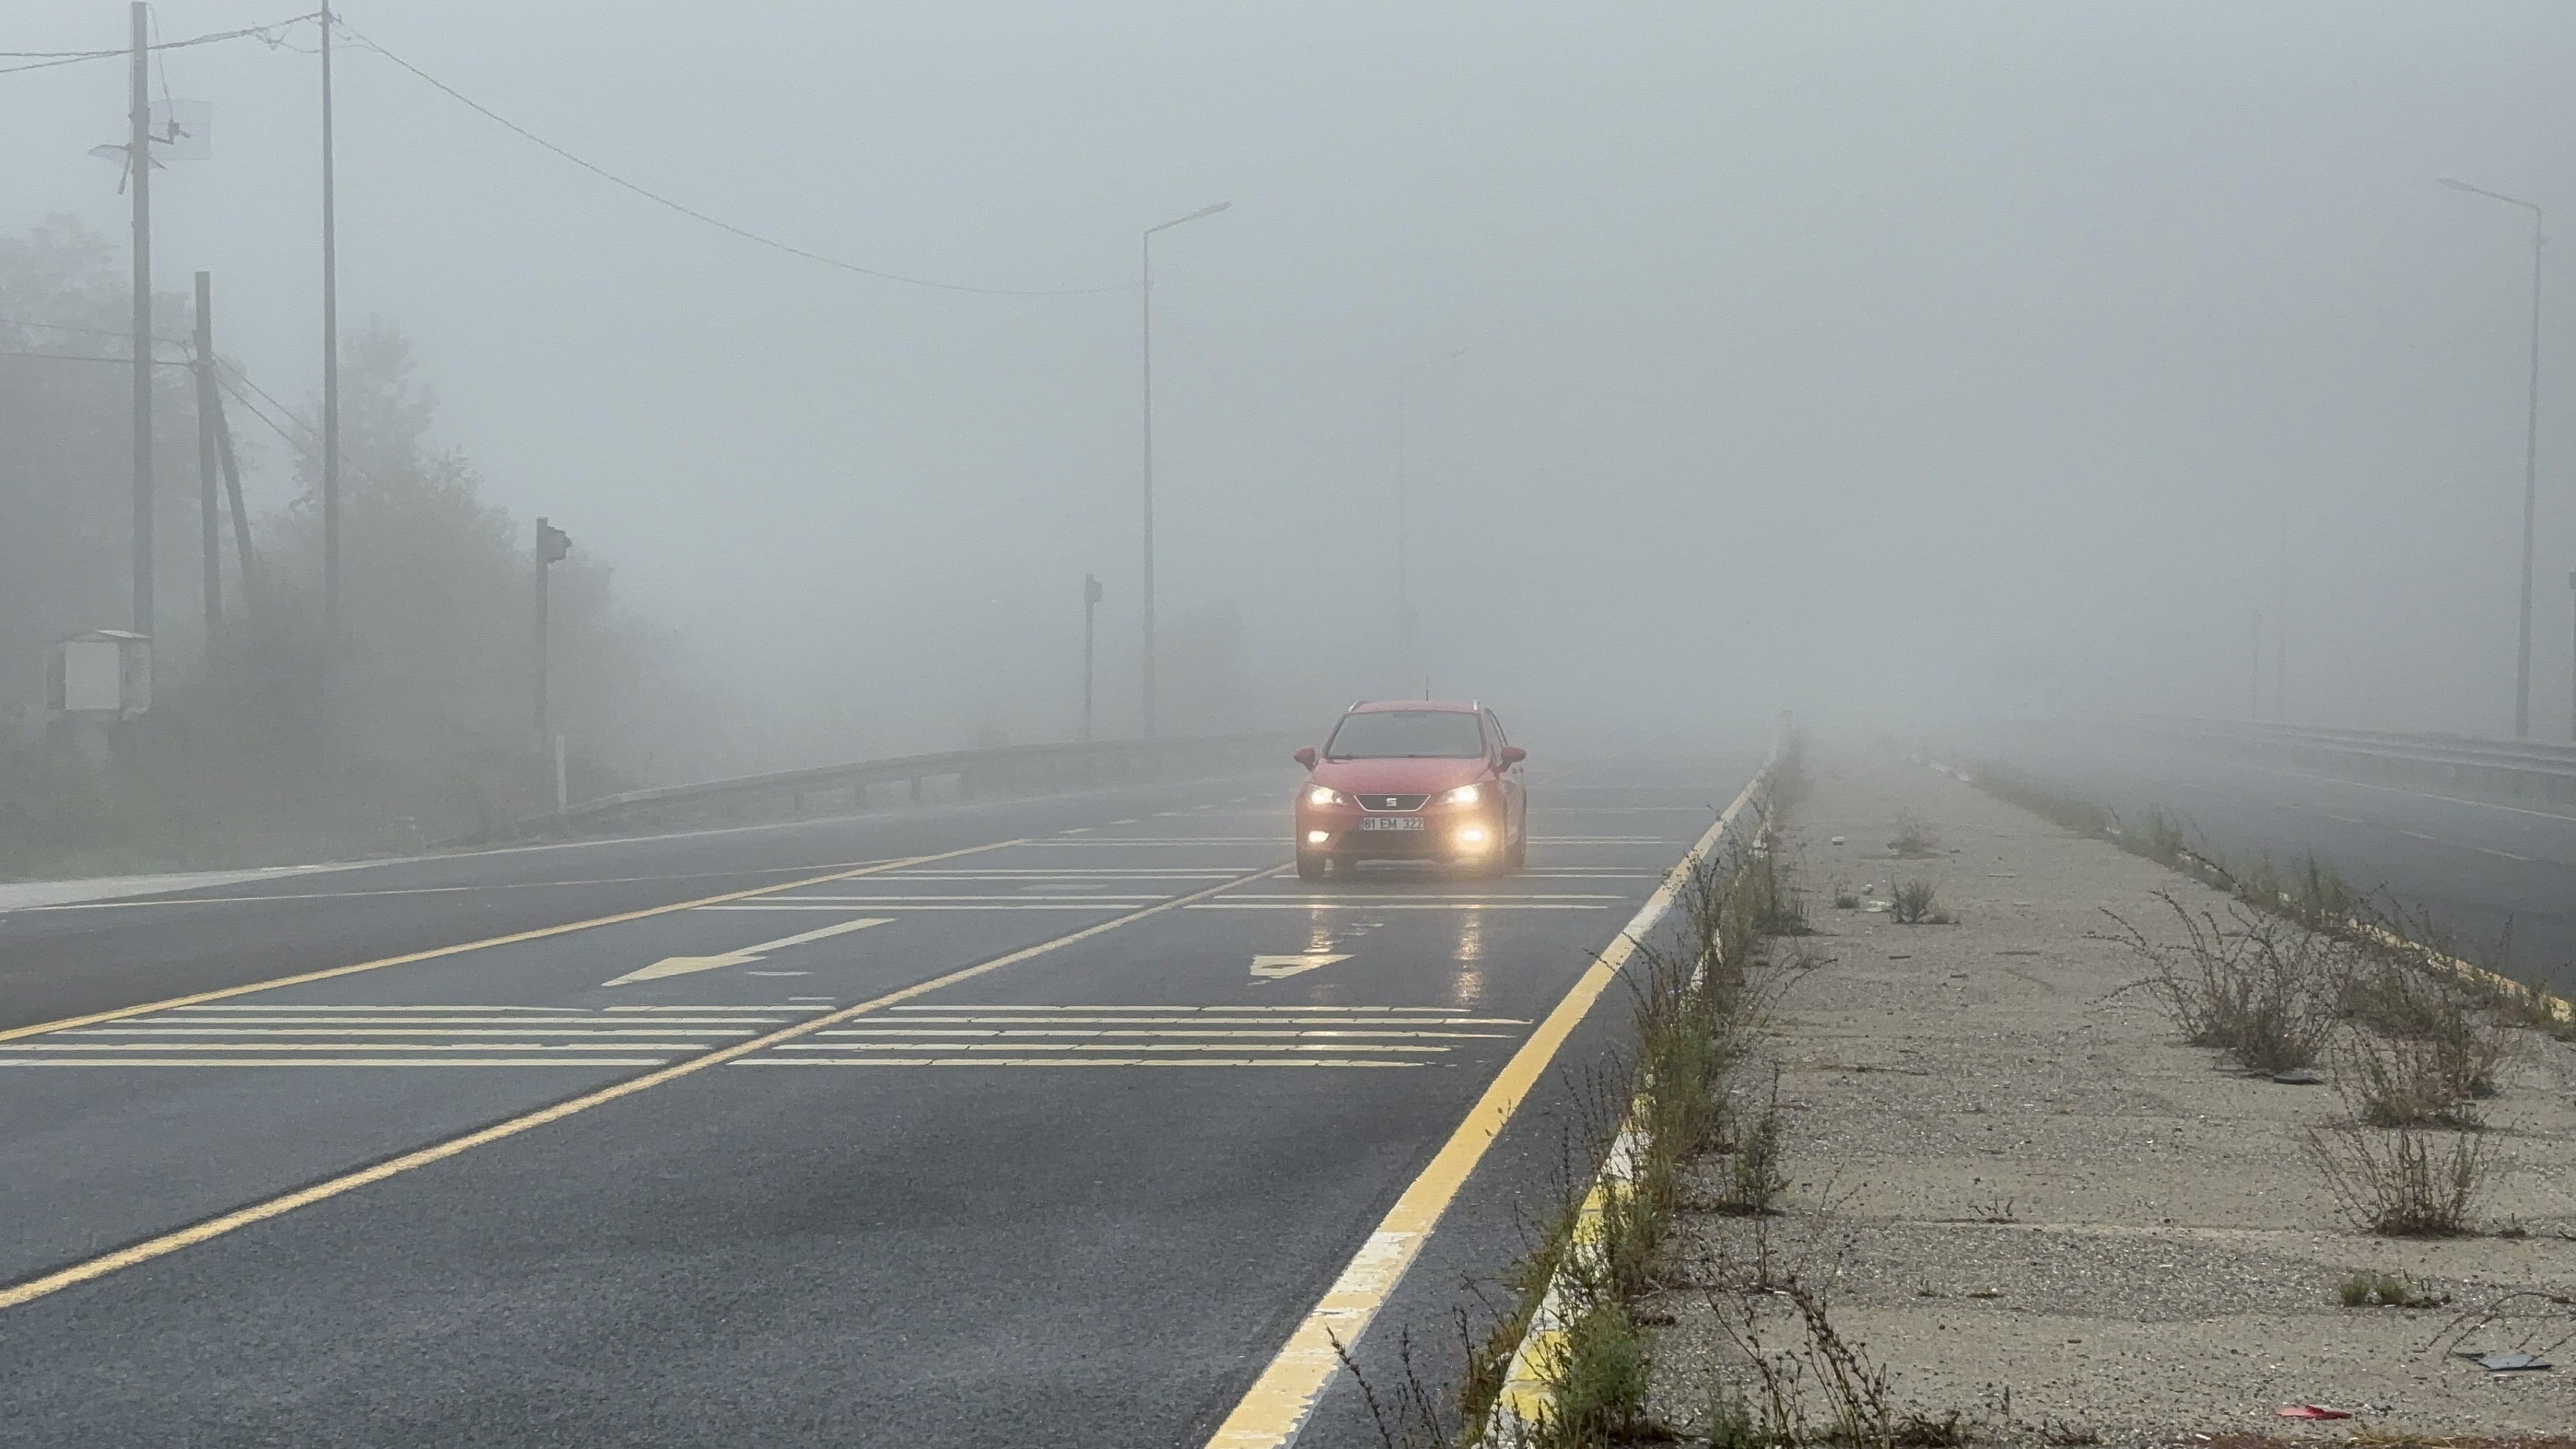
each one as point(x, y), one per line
point(1145, 307)
point(2530, 494)
point(330, 382)
point(2530, 460)
point(1090, 607)
point(233, 490)
point(2281, 616)
point(210, 535)
point(139, 171)
point(553, 544)
point(1403, 566)
point(2571, 703)
point(2254, 676)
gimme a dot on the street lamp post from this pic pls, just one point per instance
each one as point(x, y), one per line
point(1145, 306)
point(2530, 461)
point(1090, 607)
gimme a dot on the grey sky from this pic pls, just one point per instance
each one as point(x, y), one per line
point(1928, 358)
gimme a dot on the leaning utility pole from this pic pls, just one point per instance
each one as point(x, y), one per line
point(138, 147)
point(210, 535)
point(233, 490)
point(330, 378)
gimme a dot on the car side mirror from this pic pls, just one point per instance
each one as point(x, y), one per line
point(1305, 757)
point(1513, 755)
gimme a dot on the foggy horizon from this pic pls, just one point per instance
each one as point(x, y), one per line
point(1893, 366)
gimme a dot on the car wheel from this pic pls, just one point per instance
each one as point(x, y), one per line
point(1311, 867)
point(1516, 854)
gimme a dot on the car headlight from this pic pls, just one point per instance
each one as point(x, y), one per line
point(1323, 795)
point(1463, 795)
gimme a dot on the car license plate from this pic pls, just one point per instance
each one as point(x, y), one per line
point(1390, 822)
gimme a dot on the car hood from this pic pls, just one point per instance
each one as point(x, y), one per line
point(1398, 777)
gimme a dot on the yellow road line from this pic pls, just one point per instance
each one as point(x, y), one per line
point(572, 1024)
point(1272, 1411)
point(7, 1300)
point(1055, 1062)
point(918, 1045)
point(338, 1030)
point(541, 933)
point(260, 1212)
point(356, 1046)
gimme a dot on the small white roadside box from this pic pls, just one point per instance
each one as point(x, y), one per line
point(102, 672)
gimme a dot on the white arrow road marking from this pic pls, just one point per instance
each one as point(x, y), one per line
point(683, 965)
point(1273, 967)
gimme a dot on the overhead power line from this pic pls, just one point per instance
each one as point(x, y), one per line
point(694, 214)
point(86, 357)
point(95, 331)
point(42, 59)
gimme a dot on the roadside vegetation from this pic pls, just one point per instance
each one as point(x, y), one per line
point(1567, 1323)
point(252, 752)
point(2304, 979)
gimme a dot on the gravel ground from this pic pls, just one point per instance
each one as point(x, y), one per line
point(2012, 1178)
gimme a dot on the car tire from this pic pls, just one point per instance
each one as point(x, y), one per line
point(1311, 867)
point(1516, 854)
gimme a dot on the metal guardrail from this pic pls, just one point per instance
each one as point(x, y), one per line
point(1004, 770)
point(2519, 771)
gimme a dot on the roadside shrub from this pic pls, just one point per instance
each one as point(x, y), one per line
point(1915, 837)
point(1755, 1173)
point(2369, 1288)
point(2428, 1081)
point(1914, 904)
point(2156, 837)
point(2257, 987)
point(1598, 1382)
point(2402, 1182)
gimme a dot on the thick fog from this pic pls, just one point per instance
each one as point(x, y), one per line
point(1888, 362)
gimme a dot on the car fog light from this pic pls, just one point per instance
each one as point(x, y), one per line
point(1472, 835)
point(1318, 837)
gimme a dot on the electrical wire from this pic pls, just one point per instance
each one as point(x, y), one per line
point(85, 357)
point(243, 378)
point(42, 59)
point(696, 215)
point(93, 331)
point(310, 443)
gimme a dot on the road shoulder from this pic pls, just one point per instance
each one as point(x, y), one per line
point(2023, 1198)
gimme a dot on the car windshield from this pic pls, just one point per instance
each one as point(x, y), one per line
point(1407, 734)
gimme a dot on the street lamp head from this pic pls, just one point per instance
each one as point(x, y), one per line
point(2457, 185)
point(1193, 216)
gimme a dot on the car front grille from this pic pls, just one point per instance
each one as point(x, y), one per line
point(1382, 803)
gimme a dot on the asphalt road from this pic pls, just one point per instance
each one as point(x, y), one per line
point(635, 1166)
point(2487, 872)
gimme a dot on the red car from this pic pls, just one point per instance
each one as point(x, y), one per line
point(1413, 779)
